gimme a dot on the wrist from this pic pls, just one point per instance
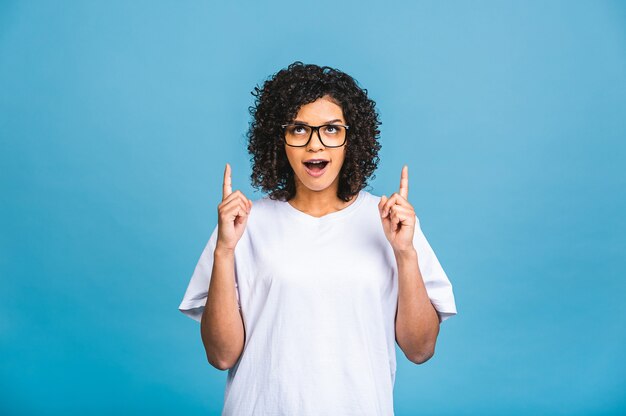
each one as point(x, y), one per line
point(222, 251)
point(405, 253)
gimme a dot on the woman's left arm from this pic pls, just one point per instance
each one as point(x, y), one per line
point(417, 321)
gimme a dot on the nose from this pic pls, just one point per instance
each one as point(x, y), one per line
point(315, 143)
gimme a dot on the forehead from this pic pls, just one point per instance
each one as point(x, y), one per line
point(319, 111)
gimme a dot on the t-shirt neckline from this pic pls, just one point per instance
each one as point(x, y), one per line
point(328, 217)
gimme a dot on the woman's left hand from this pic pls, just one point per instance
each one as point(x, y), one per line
point(398, 216)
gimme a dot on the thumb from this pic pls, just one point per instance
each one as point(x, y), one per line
point(381, 204)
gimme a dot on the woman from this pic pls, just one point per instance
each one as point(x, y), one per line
point(303, 294)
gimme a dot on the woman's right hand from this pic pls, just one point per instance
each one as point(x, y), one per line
point(232, 214)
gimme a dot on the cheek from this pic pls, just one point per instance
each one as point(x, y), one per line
point(338, 160)
point(291, 157)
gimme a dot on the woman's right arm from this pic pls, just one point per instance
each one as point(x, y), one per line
point(221, 325)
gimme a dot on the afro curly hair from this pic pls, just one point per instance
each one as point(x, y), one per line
point(278, 102)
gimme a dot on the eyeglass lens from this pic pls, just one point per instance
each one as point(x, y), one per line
point(330, 135)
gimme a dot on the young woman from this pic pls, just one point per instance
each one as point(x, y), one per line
point(303, 294)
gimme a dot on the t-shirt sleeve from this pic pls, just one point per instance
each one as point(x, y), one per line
point(195, 297)
point(435, 279)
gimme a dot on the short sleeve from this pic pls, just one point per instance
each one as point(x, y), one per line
point(195, 296)
point(435, 279)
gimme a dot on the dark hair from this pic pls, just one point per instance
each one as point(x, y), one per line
point(279, 101)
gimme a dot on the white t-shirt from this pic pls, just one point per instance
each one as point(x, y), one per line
point(318, 298)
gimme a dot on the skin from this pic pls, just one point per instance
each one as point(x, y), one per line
point(222, 328)
point(417, 321)
point(317, 196)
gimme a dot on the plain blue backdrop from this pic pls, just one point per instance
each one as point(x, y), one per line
point(116, 120)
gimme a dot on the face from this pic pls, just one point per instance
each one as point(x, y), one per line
point(317, 177)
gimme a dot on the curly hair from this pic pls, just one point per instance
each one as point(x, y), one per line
point(278, 102)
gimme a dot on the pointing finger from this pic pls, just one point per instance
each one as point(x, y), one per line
point(227, 187)
point(404, 182)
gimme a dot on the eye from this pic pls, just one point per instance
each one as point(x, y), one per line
point(332, 129)
point(297, 129)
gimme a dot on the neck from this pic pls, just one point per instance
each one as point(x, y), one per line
point(318, 203)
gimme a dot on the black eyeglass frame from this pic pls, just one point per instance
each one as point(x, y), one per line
point(314, 129)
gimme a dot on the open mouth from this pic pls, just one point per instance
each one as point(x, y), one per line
point(316, 167)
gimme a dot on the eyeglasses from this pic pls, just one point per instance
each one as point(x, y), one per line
point(299, 135)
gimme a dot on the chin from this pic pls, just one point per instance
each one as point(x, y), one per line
point(316, 185)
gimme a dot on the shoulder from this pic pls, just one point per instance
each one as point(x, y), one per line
point(367, 206)
point(368, 196)
point(265, 202)
point(264, 206)
point(370, 199)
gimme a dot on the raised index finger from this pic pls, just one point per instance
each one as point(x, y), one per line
point(227, 188)
point(404, 182)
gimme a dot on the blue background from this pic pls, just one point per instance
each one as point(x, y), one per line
point(116, 120)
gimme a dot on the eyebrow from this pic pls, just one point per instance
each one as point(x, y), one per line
point(328, 122)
